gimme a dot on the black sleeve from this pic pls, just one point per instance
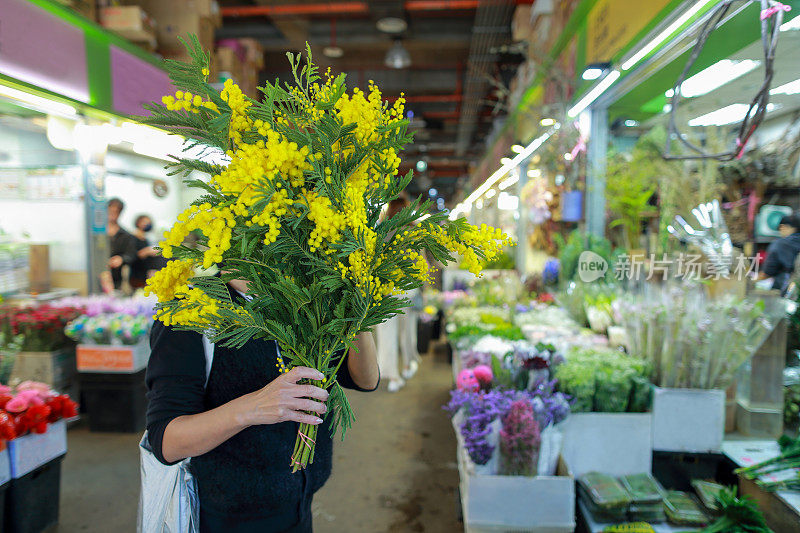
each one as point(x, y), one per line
point(176, 377)
point(129, 250)
point(346, 380)
point(772, 265)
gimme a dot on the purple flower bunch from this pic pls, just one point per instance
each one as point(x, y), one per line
point(481, 408)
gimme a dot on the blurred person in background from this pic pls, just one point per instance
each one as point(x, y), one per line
point(782, 253)
point(148, 259)
point(121, 244)
point(392, 351)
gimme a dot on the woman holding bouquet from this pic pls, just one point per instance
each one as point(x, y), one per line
point(240, 425)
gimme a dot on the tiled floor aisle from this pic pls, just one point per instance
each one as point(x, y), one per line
point(395, 472)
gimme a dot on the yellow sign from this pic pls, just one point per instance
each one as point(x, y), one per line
point(613, 23)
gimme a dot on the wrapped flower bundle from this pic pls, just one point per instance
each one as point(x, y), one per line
point(41, 327)
point(519, 441)
point(295, 212)
point(109, 328)
point(30, 407)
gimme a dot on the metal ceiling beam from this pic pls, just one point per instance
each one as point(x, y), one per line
point(490, 14)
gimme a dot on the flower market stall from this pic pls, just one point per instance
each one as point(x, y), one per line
point(546, 381)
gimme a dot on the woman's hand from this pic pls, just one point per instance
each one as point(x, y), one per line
point(284, 400)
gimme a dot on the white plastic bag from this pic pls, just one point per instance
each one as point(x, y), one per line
point(549, 450)
point(168, 502)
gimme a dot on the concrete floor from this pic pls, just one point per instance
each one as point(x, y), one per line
point(395, 472)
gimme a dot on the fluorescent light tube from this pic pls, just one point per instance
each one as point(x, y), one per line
point(465, 205)
point(39, 103)
point(716, 76)
point(490, 193)
point(547, 122)
point(726, 115)
point(793, 87)
point(508, 182)
point(664, 35)
point(517, 148)
point(592, 73)
point(793, 24)
point(593, 94)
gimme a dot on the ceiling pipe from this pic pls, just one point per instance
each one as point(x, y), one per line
point(428, 98)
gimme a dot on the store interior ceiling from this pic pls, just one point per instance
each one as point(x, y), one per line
point(461, 56)
point(784, 98)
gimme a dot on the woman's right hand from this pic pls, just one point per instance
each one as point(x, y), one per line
point(284, 400)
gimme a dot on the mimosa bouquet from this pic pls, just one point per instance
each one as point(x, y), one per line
point(296, 212)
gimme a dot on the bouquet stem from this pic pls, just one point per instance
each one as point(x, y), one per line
point(304, 447)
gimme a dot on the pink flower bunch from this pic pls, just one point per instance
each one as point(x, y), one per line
point(520, 440)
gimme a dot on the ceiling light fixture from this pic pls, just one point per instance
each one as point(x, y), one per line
point(568, 156)
point(466, 204)
point(507, 202)
point(594, 71)
point(332, 50)
point(793, 87)
point(630, 123)
point(547, 122)
point(397, 56)
point(517, 148)
point(593, 94)
point(392, 25)
point(714, 77)
point(534, 173)
point(505, 160)
point(490, 193)
point(726, 115)
point(422, 165)
point(38, 103)
point(664, 35)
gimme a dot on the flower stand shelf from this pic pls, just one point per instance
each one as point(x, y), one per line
point(32, 498)
point(115, 401)
point(542, 504)
point(688, 420)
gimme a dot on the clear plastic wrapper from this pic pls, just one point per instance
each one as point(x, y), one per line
point(604, 491)
point(682, 510)
point(643, 489)
point(707, 491)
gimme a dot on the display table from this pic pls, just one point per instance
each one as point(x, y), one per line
point(781, 508)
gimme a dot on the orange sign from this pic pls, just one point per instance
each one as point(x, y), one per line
point(105, 358)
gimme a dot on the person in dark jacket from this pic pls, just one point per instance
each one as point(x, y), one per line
point(782, 253)
point(239, 427)
point(121, 244)
point(148, 258)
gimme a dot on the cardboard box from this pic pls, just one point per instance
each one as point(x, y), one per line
point(87, 8)
point(106, 358)
point(131, 23)
point(180, 18)
point(615, 443)
point(56, 369)
point(31, 451)
point(503, 503)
